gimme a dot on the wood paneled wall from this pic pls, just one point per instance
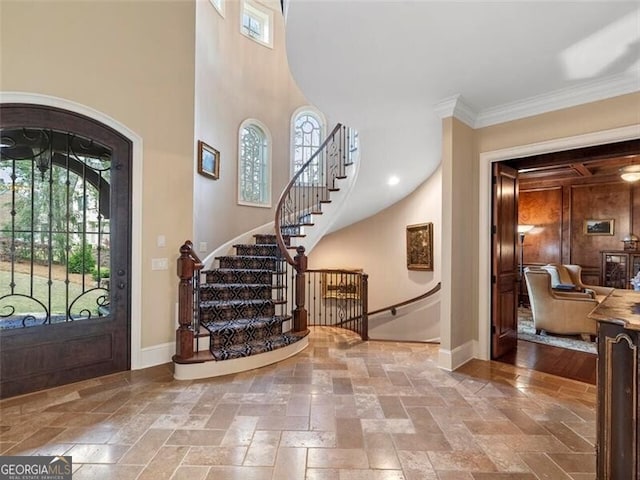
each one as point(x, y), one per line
point(558, 213)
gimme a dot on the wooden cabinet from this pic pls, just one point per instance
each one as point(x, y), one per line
point(618, 412)
point(618, 267)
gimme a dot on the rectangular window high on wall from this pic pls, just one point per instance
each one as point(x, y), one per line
point(256, 22)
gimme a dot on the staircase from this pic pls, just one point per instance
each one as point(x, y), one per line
point(246, 314)
point(239, 298)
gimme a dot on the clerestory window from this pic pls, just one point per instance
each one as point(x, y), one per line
point(257, 22)
point(254, 165)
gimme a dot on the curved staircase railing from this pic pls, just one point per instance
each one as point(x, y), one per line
point(303, 198)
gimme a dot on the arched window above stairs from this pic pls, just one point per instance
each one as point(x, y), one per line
point(308, 130)
point(254, 164)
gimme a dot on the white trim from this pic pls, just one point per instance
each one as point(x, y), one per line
point(219, 6)
point(136, 200)
point(192, 371)
point(451, 360)
point(456, 106)
point(609, 87)
point(157, 354)
point(484, 235)
point(601, 89)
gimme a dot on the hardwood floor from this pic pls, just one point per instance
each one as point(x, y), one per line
point(554, 360)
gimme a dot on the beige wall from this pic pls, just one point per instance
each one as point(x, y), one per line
point(378, 246)
point(236, 79)
point(110, 56)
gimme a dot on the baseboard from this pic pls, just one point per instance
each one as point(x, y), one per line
point(451, 360)
point(156, 355)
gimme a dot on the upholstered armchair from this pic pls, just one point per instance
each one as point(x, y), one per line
point(571, 275)
point(559, 312)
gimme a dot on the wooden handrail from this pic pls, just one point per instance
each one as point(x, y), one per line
point(287, 190)
point(393, 308)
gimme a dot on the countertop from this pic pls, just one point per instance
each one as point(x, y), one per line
point(621, 307)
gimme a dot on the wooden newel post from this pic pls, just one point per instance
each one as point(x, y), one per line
point(184, 333)
point(300, 313)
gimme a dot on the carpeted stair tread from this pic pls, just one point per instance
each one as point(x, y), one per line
point(240, 323)
point(255, 347)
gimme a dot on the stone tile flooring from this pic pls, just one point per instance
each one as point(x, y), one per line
point(342, 409)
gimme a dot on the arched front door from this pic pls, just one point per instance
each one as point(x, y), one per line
point(65, 248)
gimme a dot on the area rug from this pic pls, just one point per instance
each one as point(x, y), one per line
point(528, 333)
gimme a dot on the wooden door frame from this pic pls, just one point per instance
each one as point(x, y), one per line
point(630, 132)
point(139, 358)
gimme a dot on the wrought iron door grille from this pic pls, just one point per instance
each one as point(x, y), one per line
point(54, 227)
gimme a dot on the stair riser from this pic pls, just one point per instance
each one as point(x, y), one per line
point(220, 313)
point(253, 263)
point(269, 239)
point(232, 336)
point(258, 250)
point(238, 276)
point(235, 292)
point(247, 349)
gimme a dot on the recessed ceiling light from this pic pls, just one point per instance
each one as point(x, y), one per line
point(393, 180)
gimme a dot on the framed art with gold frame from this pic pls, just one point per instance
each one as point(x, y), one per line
point(420, 246)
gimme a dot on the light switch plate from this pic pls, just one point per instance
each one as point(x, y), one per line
point(159, 264)
point(161, 241)
point(203, 247)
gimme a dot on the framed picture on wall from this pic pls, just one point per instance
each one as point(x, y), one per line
point(599, 227)
point(420, 246)
point(208, 161)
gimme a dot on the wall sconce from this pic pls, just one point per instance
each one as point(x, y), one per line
point(630, 173)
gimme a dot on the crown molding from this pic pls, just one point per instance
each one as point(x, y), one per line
point(456, 106)
point(593, 91)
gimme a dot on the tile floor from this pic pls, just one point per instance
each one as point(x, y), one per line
point(342, 409)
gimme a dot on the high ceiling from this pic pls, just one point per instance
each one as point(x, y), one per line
point(383, 66)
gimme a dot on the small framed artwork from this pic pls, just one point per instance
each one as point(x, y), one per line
point(208, 161)
point(420, 246)
point(598, 227)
